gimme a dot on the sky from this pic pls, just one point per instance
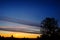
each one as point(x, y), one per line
point(32, 12)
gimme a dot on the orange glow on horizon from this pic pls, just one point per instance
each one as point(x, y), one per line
point(18, 34)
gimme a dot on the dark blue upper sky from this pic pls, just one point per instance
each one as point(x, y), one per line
point(30, 10)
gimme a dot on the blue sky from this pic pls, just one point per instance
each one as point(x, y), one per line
point(30, 10)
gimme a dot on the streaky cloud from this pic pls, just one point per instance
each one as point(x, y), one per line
point(14, 20)
point(10, 26)
point(25, 28)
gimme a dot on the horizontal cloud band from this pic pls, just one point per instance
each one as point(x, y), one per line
point(21, 29)
point(10, 26)
point(14, 20)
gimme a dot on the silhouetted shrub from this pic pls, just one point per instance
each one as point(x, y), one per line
point(50, 29)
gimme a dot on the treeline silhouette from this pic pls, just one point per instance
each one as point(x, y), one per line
point(13, 38)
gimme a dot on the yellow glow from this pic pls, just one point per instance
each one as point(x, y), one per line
point(18, 34)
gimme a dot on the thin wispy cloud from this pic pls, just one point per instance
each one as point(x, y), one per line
point(19, 27)
point(14, 20)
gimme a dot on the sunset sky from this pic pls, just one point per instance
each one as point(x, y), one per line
point(22, 18)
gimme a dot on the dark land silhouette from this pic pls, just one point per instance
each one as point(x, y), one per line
point(13, 38)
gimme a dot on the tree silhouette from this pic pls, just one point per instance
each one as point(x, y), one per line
point(50, 27)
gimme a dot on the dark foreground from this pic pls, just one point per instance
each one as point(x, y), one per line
point(42, 38)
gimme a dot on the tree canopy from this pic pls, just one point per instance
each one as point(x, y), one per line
point(50, 29)
point(49, 25)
